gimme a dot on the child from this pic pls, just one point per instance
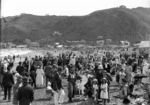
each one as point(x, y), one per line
point(104, 91)
point(95, 89)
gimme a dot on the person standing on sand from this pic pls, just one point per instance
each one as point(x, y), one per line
point(48, 70)
point(33, 75)
point(1, 74)
point(57, 85)
point(20, 68)
point(39, 77)
point(25, 94)
point(7, 81)
point(15, 89)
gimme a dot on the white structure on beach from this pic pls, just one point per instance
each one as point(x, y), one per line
point(21, 46)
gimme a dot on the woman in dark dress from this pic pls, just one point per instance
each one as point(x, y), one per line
point(88, 89)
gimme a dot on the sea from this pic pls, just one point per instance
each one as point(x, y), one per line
point(13, 51)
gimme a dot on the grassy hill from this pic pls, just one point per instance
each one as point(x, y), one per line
point(115, 23)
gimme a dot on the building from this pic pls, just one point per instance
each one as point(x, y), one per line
point(21, 46)
point(144, 46)
point(100, 42)
point(3, 45)
point(124, 43)
point(34, 44)
point(27, 41)
point(11, 45)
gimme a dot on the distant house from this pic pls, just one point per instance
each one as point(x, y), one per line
point(144, 46)
point(122, 6)
point(100, 42)
point(124, 43)
point(59, 46)
point(100, 37)
point(11, 45)
point(108, 41)
point(34, 44)
point(27, 41)
point(21, 46)
point(3, 45)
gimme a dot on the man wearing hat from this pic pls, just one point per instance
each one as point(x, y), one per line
point(48, 70)
point(99, 76)
point(20, 68)
point(72, 83)
point(56, 83)
point(25, 93)
point(8, 82)
point(16, 87)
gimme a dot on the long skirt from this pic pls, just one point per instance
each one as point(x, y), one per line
point(39, 81)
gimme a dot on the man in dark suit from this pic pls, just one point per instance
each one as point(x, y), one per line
point(71, 86)
point(25, 93)
point(7, 81)
point(48, 70)
point(20, 69)
point(56, 84)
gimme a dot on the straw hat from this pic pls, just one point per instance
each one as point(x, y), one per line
point(17, 74)
point(95, 80)
point(19, 78)
point(49, 84)
point(100, 67)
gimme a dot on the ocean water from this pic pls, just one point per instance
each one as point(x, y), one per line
point(14, 51)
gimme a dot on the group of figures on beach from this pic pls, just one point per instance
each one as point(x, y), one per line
point(89, 76)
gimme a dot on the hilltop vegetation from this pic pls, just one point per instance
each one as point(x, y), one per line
point(115, 23)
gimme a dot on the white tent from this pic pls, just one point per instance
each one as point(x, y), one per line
point(59, 46)
point(144, 44)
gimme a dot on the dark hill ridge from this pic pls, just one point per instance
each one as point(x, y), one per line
point(22, 26)
point(116, 24)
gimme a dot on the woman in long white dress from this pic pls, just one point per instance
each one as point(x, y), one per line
point(39, 77)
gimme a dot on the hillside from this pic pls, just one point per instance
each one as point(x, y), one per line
point(115, 23)
point(20, 27)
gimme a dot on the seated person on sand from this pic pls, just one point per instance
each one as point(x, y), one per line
point(138, 89)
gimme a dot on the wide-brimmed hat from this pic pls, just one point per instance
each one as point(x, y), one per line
point(95, 80)
point(100, 67)
point(19, 78)
point(17, 74)
point(104, 79)
point(49, 83)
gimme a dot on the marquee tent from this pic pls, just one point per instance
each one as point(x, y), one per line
point(144, 44)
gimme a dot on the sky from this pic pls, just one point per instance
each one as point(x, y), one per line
point(64, 7)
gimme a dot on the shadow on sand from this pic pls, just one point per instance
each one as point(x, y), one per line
point(44, 99)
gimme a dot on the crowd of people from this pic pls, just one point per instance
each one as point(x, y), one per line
point(88, 75)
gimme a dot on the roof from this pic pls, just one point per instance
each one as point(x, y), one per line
point(21, 45)
point(144, 44)
point(34, 43)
